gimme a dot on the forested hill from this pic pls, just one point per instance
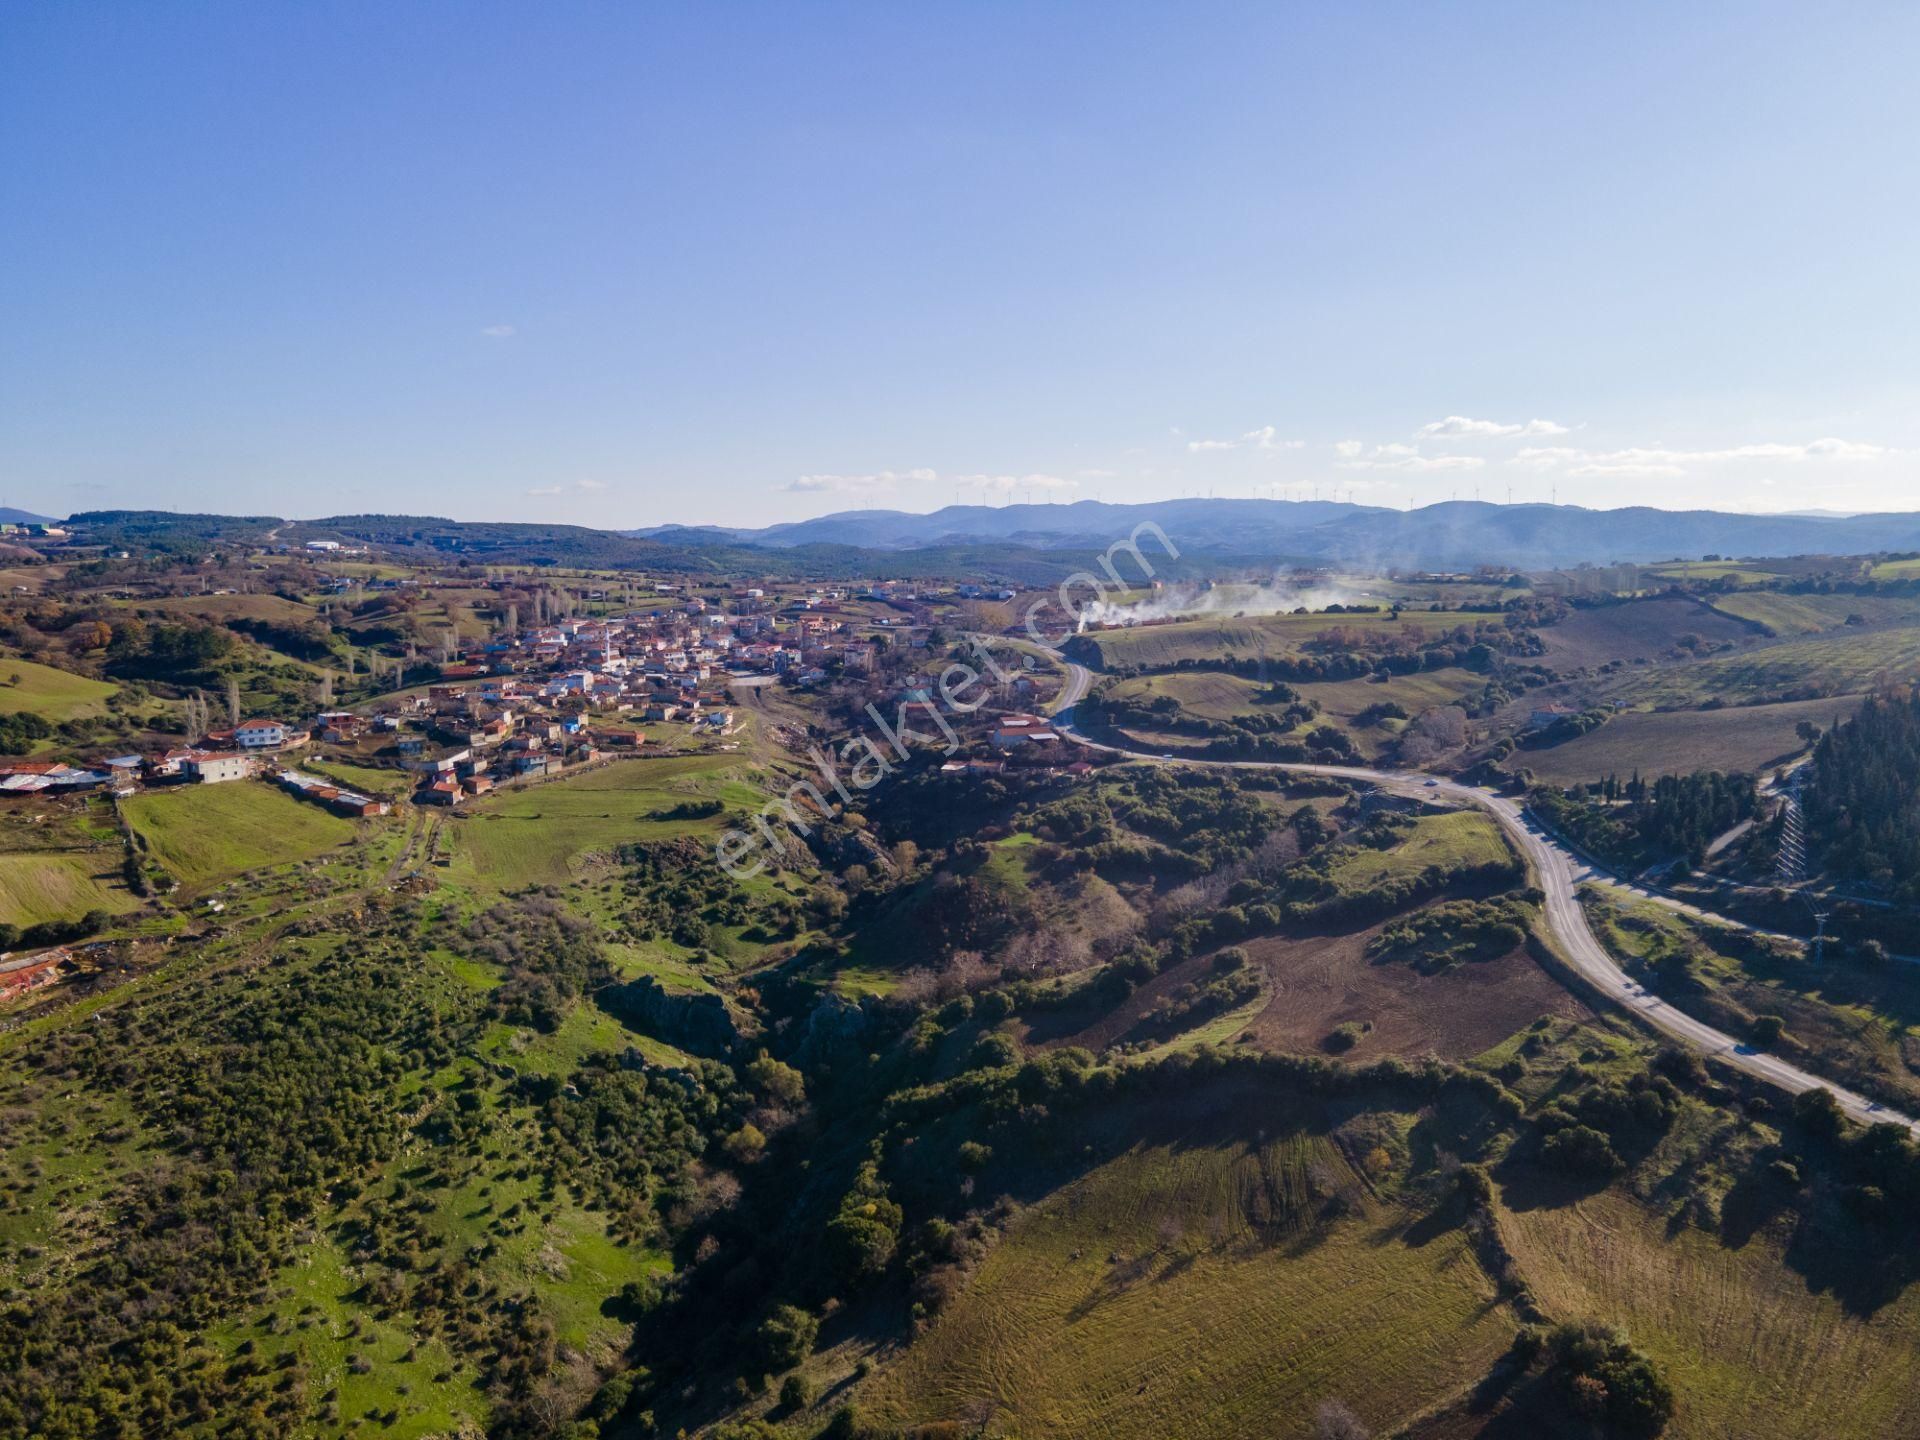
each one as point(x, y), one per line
point(1863, 807)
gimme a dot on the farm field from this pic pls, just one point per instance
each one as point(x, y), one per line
point(1752, 1343)
point(1320, 982)
point(53, 694)
point(59, 859)
point(1214, 637)
point(1190, 1288)
point(1896, 570)
point(61, 885)
point(202, 833)
point(1456, 840)
point(1678, 742)
point(1635, 630)
point(1788, 615)
point(532, 836)
point(1210, 695)
point(1790, 670)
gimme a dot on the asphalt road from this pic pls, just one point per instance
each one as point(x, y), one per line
point(1559, 875)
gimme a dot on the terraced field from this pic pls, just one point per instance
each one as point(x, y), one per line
point(1788, 615)
point(1678, 742)
point(1842, 664)
point(1197, 1290)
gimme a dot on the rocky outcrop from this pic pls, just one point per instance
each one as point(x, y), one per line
point(698, 1021)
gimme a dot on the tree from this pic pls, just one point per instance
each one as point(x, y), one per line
point(796, 1393)
point(786, 1336)
point(1819, 1112)
point(233, 699)
point(1581, 1150)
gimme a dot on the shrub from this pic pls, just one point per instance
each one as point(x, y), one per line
point(786, 1336)
point(796, 1392)
point(1581, 1150)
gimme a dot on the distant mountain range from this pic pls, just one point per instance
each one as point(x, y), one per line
point(1030, 543)
point(11, 516)
point(1449, 534)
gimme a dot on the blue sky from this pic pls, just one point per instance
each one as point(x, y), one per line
point(621, 265)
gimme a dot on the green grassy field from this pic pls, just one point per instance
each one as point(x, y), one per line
point(1679, 742)
point(59, 859)
point(1192, 1289)
point(1845, 664)
point(1739, 571)
point(202, 833)
point(533, 835)
point(1896, 570)
point(368, 779)
point(1458, 840)
point(274, 608)
point(61, 886)
point(54, 694)
point(1153, 647)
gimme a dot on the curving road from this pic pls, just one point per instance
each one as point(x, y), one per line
point(1559, 874)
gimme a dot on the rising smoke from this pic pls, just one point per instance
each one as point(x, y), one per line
point(1181, 602)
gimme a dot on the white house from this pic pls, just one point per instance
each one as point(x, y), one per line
point(260, 735)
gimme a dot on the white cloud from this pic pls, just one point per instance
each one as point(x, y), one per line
point(1460, 427)
point(565, 489)
point(1355, 455)
point(1265, 438)
point(498, 332)
point(1660, 462)
point(879, 481)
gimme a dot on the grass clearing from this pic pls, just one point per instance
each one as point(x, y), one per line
point(1193, 1289)
point(1214, 637)
point(368, 779)
point(1635, 630)
point(534, 835)
point(56, 695)
point(56, 886)
point(203, 833)
point(1456, 840)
